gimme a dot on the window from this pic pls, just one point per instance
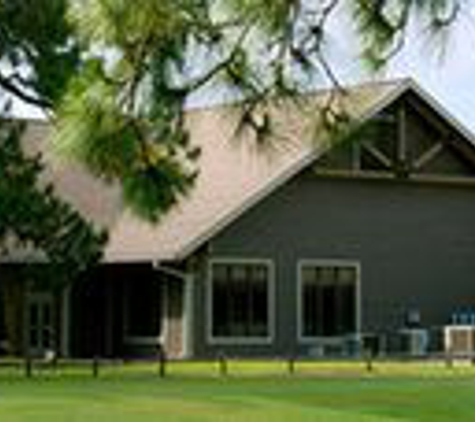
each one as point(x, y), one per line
point(328, 299)
point(40, 323)
point(240, 294)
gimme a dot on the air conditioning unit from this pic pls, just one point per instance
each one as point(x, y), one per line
point(415, 341)
point(459, 340)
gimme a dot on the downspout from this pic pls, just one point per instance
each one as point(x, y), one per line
point(188, 304)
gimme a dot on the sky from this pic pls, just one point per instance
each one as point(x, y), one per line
point(445, 70)
point(450, 77)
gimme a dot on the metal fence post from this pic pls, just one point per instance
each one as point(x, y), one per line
point(95, 366)
point(162, 362)
point(449, 362)
point(291, 364)
point(223, 365)
point(28, 366)
point(368, 357)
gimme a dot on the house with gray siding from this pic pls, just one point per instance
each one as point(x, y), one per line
point(306, 248)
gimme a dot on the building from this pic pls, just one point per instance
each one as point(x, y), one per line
point(300, 250)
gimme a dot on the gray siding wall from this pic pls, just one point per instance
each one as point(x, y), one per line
point(415, 244)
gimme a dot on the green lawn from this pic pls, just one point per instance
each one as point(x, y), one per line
point(330, 392)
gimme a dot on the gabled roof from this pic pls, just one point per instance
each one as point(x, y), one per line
point(234, 176)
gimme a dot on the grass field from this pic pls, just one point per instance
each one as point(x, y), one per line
point(252, 392)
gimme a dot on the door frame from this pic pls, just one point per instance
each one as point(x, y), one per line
point(40, 299)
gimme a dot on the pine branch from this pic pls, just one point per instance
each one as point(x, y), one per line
point(11, 87)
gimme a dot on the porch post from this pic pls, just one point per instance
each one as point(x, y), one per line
point(188, 316)
point(165, 314)
point(65, 320)
point(109, 320)
point(187, 306)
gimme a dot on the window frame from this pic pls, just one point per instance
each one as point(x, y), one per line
point(333, 263)
point(241, 340)
point(40, 299)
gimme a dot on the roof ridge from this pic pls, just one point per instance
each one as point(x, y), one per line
point(398, 81)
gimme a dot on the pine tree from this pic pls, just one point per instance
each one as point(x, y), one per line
point(61, 245)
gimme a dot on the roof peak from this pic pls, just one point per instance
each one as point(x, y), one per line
point(401, 82)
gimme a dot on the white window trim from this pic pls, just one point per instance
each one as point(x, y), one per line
point(267, 340)
point(327, 263)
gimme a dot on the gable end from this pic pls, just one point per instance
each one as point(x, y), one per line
point(409, 138)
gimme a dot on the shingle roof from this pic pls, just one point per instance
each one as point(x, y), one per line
point(233, 177)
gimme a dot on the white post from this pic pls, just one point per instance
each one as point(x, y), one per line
point(188, 292)
point(188, 311)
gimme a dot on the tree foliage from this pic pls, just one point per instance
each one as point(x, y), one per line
point(125, 70)
point(32, 218)
point(383, 25)
point(38, 53)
